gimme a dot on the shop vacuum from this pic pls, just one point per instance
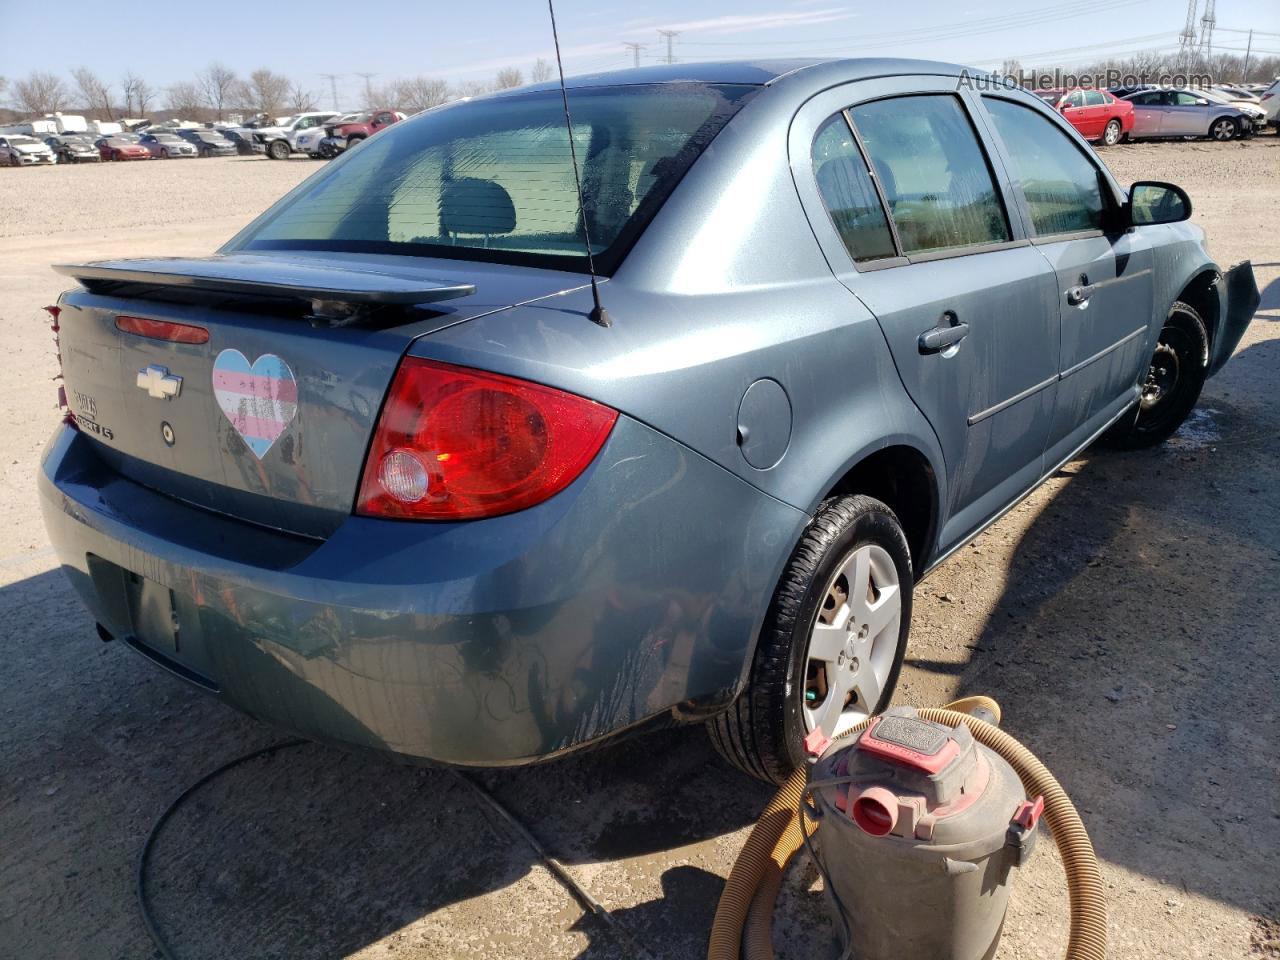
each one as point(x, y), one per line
point(917, 820)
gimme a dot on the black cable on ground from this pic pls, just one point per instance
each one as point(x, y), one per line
point(551, 863)
point(140, 878)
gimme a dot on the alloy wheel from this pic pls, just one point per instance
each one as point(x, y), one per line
point(1223, 129)
point(853, 641)
point(1111, 136)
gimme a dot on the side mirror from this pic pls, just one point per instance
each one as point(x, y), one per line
point(1152, 202)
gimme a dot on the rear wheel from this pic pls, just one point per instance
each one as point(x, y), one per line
point(1223, 129)
point(1111, 135)
point(831, 647)
point(1171, 385)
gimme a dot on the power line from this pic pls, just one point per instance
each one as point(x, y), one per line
point(635, 48)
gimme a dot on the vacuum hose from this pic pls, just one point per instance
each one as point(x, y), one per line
point(750, 893)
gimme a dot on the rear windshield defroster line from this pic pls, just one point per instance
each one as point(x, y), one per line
point(492, 179)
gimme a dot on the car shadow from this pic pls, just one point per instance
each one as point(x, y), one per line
point(1133, 645)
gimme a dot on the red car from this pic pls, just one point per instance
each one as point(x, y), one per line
point(365, 127)
point(1096, 114)
point(116, 148)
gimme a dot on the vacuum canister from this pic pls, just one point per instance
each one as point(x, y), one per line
point(921, 826)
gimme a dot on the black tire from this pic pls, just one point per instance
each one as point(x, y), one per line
point(278, 150)
point(762, 732)
point(327, 152)
point(1112, 133)
point(1171, 384)
point(352, 141)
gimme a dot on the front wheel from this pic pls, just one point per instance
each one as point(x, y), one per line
point(1171, 385)
point(1223, 129)
point(1111, 135)
point(279, 150)
point(832, 644)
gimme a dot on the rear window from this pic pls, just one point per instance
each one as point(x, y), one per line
point(493, 180)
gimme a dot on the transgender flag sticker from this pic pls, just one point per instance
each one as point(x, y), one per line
point(260, 398)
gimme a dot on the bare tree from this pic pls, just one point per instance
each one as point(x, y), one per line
point(40, 93)
point(137, 95)
point(267, 92)
point(185, 100)
point(541, 71)
point(96, 95)
point(474, 88)
point(4, 85)
point(509, 77)
point(145, 95)
point(216, 84)
point(301, 100)
point(420, 93)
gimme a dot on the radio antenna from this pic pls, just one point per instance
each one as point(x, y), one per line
point(598, 313)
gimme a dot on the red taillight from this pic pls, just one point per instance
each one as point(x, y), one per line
point(454, 443)
point(56, 326)
point(163, 330)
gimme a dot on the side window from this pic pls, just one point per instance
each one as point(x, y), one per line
point(848, 193)
point(934, 175)
point(1061, 185)
point(1184, 99)
point(1094, 99)
point(1075, 98)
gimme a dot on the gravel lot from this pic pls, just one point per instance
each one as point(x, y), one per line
point(1125, 615)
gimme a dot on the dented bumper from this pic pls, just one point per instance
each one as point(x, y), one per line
point(1238, 290)
point(487, 642)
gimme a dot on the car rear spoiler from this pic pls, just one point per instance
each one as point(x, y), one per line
point(336, 291)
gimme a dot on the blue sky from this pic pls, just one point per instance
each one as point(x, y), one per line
point(169, 41)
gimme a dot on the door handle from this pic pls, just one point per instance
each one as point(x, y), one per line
point(1078, 295)
point(949, 332)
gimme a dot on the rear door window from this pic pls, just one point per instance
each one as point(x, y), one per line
point(936, 179)
point(1094, 99)
point(849, 193)
point(1062, 187)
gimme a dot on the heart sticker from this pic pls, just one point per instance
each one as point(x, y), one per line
point(260, 398)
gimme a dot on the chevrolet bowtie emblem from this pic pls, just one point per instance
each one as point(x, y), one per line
point(159, 382)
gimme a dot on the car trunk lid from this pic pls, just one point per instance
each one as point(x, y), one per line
point(262, 403)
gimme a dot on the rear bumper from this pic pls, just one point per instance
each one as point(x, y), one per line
point(638, 591)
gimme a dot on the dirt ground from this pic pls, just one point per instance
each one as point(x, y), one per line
point(1126, 615)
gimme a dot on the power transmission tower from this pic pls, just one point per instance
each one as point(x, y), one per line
point(1187, 38)
point(669, 35)
point(635, 48)
point(1207, 23)
point(333, 85)
point(368, 89)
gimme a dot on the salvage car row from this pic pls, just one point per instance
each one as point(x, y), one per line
point(159, 144)
point(1148, 112)
point(319, 135)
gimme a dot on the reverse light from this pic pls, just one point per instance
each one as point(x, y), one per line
point(453, 443)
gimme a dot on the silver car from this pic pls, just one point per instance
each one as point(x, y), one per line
point(165, 146)
point(1185, 113)
point(20, 151)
